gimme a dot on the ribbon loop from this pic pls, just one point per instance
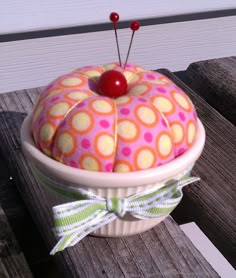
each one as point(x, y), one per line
point(75, 220)
point(117, 206)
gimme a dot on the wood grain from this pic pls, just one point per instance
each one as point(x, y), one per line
point(161, 252)
point(215, 81)
point(211, 202)
point(12, 260)
point(23, 227)
point(36, 62)
point(57, 14)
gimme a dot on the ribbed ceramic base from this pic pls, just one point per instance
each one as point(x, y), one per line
point(126, 226)
point(109, 185)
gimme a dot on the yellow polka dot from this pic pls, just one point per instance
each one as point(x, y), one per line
point(90, 163)
point(54, 92)
point(123, 100)
point(138, 90)
point(82, 122)
point(164, 145)
point(182, 101)
point(104, 145)
point(163, 105)
point(93, 74)
point(127, 130)
point(37, 112)
point(102, 106)
point(146, 115)
point(109, 67)
point(135, 78)
point(191, 132)
point(122, 167)
point(77, 95)
point(58, 158)
point(128, 75)
point(145, 158)
point(72, 81)
point(177, 132)
point(66, 143)
point(139, 69)
point(47, 152)
point(46, 132)
point(59, 109)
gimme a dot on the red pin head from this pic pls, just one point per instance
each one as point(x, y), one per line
point(114, 17)
point(113, 83)
point(134, 26)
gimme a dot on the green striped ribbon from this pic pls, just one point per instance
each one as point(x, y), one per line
point(74, 220)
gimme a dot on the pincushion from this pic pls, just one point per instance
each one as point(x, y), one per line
point(112, 118)
point(149, 126)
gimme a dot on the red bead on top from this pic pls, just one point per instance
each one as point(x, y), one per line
point(112, 84)
point(114, 17)
point(134, 25)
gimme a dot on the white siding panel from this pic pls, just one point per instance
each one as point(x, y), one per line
point(33, 63)
point(30, 15)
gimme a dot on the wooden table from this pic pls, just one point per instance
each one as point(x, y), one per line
point(215, 81)
point(12, 260)
point(211, 202)
point(164, 251)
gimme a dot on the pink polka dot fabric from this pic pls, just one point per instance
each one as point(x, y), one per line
point(149, 126)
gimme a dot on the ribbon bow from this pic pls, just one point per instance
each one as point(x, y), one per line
point(75, 220)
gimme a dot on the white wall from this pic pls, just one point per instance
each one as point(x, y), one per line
point(32, 63)
point(35, 62)
point(31, 15)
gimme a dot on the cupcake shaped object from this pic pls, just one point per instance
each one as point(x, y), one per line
point(88, 123)
point(114, 118)
point(112, 145)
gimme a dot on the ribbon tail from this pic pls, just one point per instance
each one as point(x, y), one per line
point(78, 235)
point(61, 245)
point(159, 209)
point(187, 181)
point(165, 203)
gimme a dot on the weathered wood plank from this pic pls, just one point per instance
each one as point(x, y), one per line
point(23, 227)
point(211, 202)
point(12, 260)
point(169, 250)
point(215, 81)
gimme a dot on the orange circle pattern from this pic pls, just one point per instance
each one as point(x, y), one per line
point(128, 130)
point(132, 132)
point(164, 144)
point(81, 122)
point(146, 115)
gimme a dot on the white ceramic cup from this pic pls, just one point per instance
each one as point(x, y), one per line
point(111, 184)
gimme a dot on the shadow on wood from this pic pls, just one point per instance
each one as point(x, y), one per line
point(162, 251)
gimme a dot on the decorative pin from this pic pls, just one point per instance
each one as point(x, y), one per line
point(112, 83)
point(134, 26)
point(114, 17)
